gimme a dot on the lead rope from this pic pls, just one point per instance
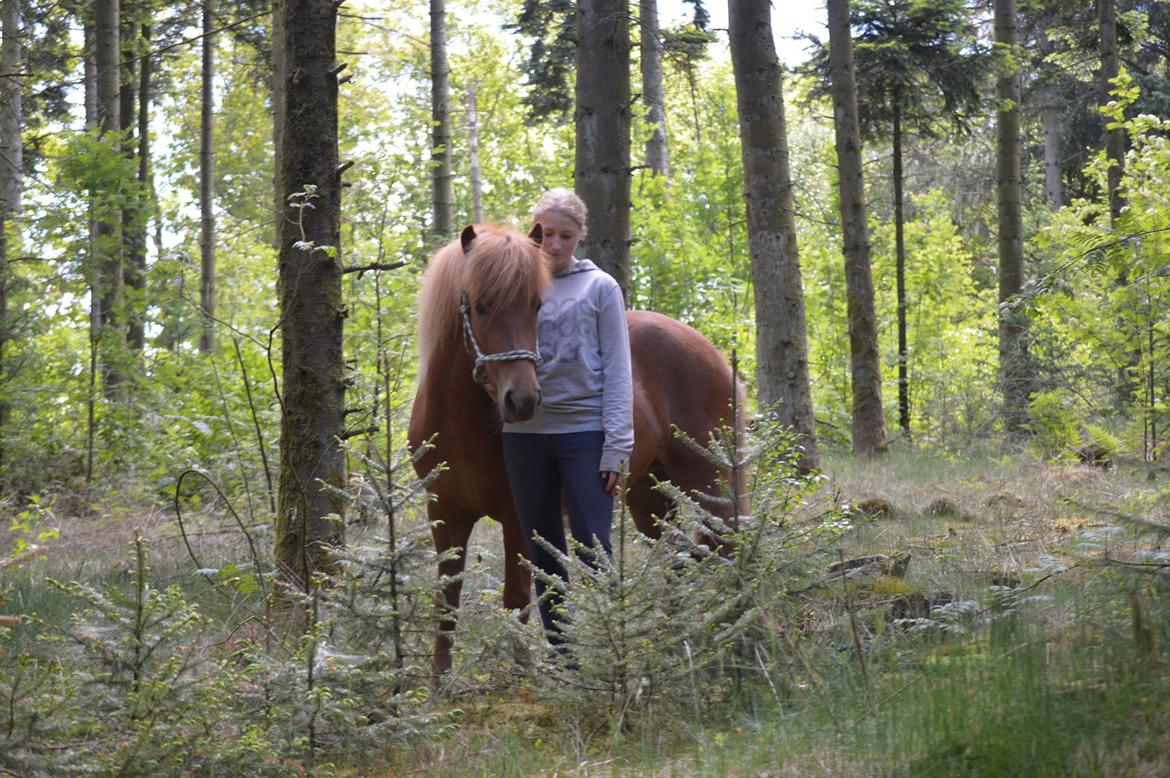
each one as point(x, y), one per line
point(477, 372)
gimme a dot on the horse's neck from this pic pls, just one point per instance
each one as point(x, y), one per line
point(448, 375)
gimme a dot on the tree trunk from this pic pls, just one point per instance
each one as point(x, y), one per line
point(1014, 363)
point(132, 237)
point(135, 270)
point(473, 155)
point(311, 305)
point(602, 114)
point(277, 97)
point(207, 185)
point(653, 94)
point(1053, 117)
point(11, 187)
point(92, 271)
point(1127, 374)
point(869, 425)
point(111, 335)
point(89, 69)
point(440, 126)
point(781, 342)
point(1115, 138)
point(900, 274)
point(128, 74)
point(11, 113)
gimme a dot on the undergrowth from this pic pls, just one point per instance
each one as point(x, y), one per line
point(1023, 633)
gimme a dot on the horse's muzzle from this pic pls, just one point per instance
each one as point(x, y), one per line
point(520, 406)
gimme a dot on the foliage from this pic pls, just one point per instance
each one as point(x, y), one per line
point(951, 329)
point(217, 685)
point(125, 688)
point(672, 627)
point(1055, 426)
point(1103, 293)
point(915, 60)
point(551, 27)
point(135, 683)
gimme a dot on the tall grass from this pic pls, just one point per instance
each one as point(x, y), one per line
point(805, 674)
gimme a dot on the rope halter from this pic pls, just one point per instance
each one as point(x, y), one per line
point(478, 373)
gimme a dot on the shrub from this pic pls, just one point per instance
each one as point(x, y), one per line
point(1055, 425)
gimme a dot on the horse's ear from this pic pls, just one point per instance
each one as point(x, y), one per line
point(536, 234)
point(467, 236)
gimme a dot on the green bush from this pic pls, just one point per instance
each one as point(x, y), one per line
point(1055, 425)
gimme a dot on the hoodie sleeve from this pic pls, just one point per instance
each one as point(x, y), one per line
point(617, 413)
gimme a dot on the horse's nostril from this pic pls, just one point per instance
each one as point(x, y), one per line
point(520, 406)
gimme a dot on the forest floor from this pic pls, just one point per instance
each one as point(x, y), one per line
point(960, 526)
point(942, 530)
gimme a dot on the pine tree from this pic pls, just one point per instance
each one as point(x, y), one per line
point(602, 169)
point(1014, 363)
point(311, 306)
point(869, 424)
point(781, 343)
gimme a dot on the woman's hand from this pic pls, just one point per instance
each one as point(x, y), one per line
point(613, 480)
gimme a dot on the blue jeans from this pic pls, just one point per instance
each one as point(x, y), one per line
point(542, 468)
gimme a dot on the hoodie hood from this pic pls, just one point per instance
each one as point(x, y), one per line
point(580, 266)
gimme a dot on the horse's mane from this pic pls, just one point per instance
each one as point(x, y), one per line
point(502, 266)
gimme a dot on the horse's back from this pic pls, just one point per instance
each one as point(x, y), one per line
point(680, 379)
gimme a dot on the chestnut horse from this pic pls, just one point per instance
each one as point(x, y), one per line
point(477, 365)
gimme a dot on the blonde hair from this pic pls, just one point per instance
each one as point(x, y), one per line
point(563, 201)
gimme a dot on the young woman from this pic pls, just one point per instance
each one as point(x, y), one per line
point(577, 444)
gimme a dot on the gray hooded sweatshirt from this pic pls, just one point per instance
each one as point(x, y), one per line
point(585, 371)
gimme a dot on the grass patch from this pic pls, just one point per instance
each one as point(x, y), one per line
point(1044, 680)
point(1003, 646)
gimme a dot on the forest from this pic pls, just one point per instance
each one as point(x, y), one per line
point(932, 237)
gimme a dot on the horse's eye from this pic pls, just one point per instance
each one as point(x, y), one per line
point(539, 306)
point(481, 309)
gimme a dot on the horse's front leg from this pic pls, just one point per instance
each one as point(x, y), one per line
point(450, 530)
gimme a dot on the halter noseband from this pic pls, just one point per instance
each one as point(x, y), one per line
point(478, 373)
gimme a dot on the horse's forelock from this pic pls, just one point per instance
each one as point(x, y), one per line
point(505, 269)
point(502, 267)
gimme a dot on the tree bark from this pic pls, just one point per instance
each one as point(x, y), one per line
point(133, 238)
point(781, 341)
point(1014, 362)
point(11, 186)
point(900, 273)
point(138, 261)
point(1052, 116)
point(11, 110)
point(112, 336)
point(473, 155)
point(92, 270)
point(653, 93)
point(1114, 138)
point(868, 419)
point(207, 185)
point(127, 74)
point(277, 97)
point(602, 115)
point(89, 70)
point(136, 225)
point(1127, 374)
point(440, 126)
point(311, 305)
